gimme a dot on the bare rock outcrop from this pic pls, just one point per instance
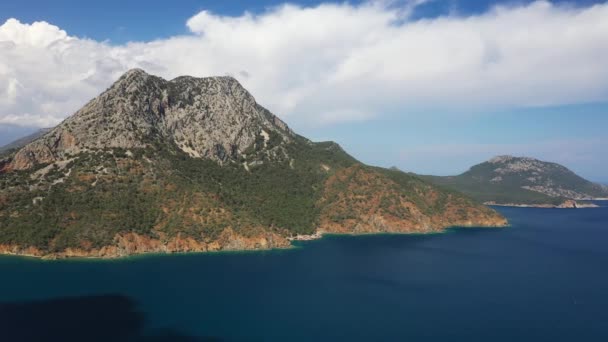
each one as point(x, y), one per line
point(213, 117)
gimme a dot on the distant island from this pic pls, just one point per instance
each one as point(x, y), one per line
point(195, 164)
point(524, 182)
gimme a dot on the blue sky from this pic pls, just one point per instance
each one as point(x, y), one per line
point(422, 118)
point(120, 21)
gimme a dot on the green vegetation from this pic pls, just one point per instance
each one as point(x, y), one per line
point(162, 192)
point(109, 192)
point(482, 183)
point(486, 192)
point(281, 183)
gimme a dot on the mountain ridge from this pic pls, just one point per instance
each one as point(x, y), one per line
point(512, 180)
point(196, 164)
point(180, 110)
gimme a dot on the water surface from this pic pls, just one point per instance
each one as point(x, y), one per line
point(543, 279)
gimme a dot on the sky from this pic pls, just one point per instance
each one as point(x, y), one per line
point(429, 86)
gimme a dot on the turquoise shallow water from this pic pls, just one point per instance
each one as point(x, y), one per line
point(543, 279)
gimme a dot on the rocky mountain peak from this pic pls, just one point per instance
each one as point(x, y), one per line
point(508, 179)
point(511, 164)
point(115, 179)
point(135, 72)
point(500, 159)
point(505, 159)
point(209, 117)
point(133, 81)
point(548, 178)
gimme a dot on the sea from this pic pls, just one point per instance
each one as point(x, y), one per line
point(544, 278)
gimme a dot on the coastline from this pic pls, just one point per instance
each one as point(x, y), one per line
point(565, 205)
point(307, 237)
point(130, 244)
point(321, 235)
point(33, 253)
point(61, 256)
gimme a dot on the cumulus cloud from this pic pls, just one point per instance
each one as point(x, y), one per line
point(45, 74)
point(331, 62)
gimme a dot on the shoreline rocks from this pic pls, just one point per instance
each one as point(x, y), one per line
point(132, 244)
point(569, 204)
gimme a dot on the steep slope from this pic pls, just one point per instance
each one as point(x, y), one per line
point(205, 117)
point(195, 164)
point(520, 180)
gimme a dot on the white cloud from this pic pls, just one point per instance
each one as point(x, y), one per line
point(332, 62)
point(37, 34)
point(29, 120)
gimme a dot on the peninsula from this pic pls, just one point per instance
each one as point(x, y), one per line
point(196, 164)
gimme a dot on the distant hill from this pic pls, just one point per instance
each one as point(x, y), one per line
point(196, 164)
point(521, 180)
point(19, 143)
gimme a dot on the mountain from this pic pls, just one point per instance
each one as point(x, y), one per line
point(195, 164)
point(19, 143)
point(521, 180)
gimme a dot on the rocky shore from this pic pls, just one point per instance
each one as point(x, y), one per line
point(134, 244)
point(306, 237)
point(569, 204)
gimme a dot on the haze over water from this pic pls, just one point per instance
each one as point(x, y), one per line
point(543, 279)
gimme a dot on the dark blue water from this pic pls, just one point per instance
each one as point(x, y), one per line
point(543, 279)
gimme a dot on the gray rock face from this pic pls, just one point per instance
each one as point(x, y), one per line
point(511, 165)
point(213, 117)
